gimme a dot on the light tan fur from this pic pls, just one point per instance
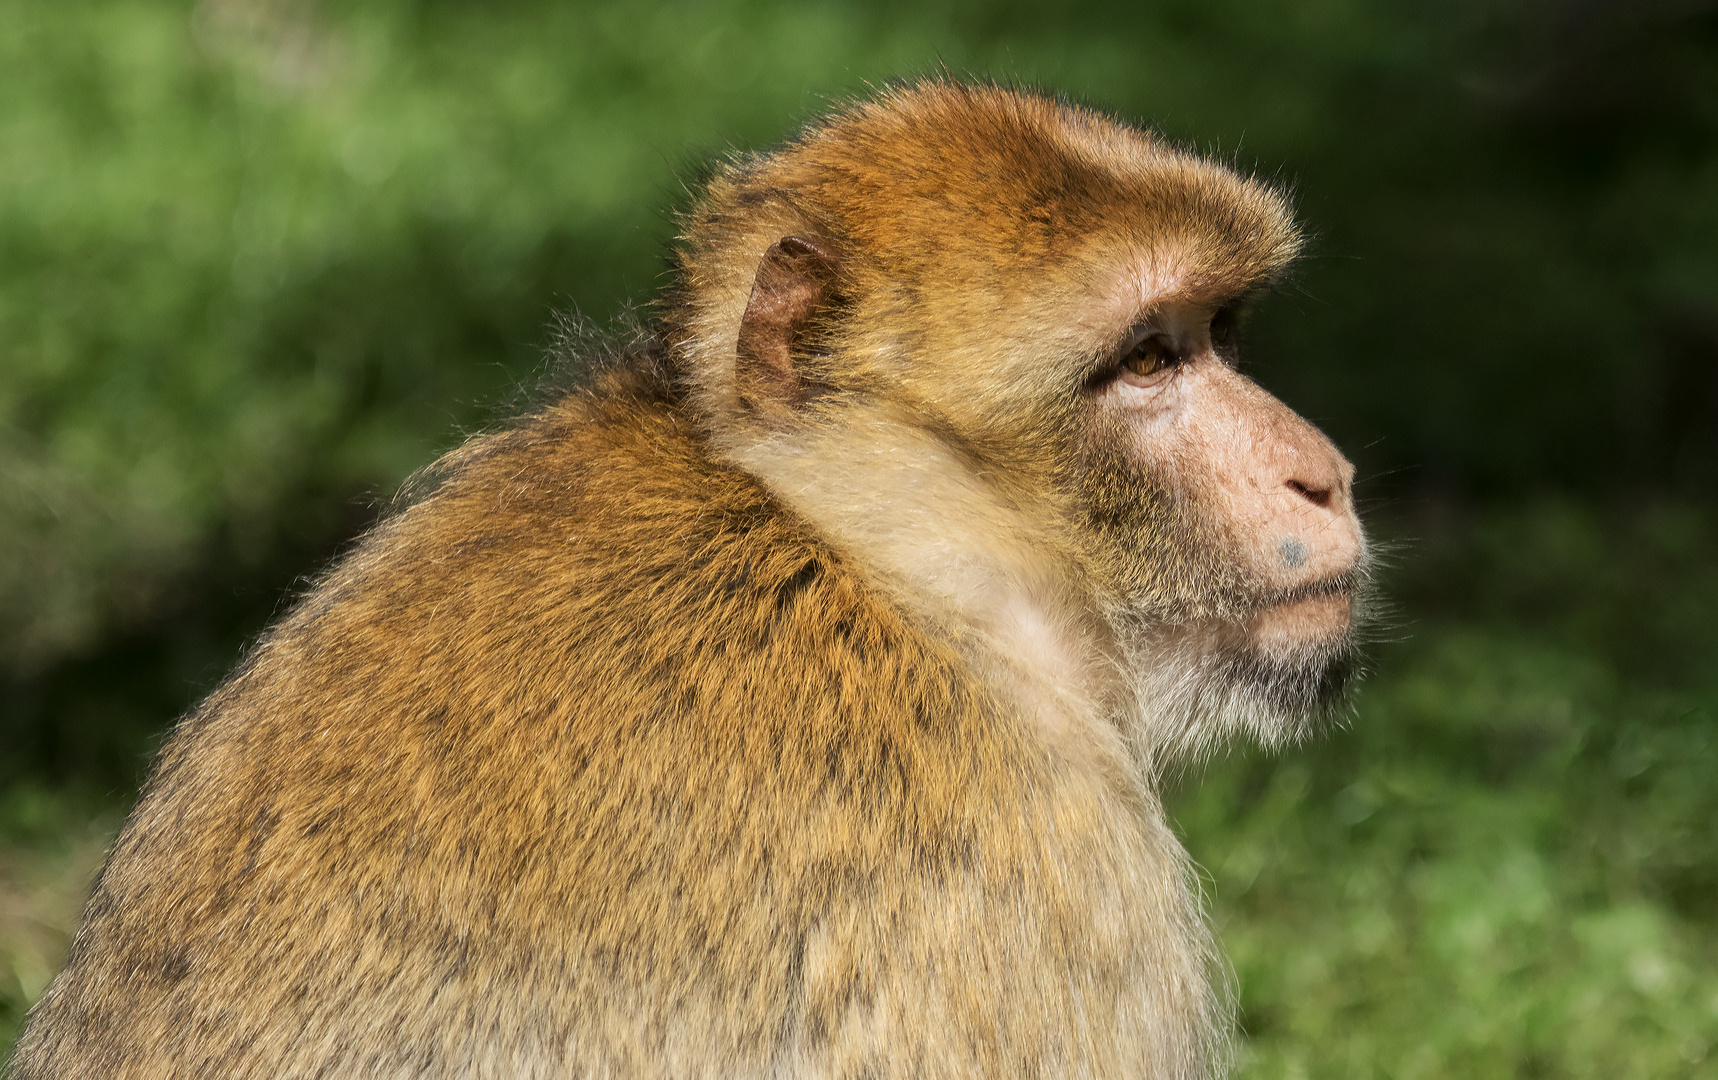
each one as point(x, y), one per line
point(787, 701)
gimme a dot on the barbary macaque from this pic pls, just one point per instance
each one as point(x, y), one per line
point(791, 698)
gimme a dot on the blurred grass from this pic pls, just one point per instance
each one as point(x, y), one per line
point(261, 258)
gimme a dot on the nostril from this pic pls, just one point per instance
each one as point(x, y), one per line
point(1317, 496)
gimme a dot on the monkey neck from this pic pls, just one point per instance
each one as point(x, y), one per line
point(970, 564)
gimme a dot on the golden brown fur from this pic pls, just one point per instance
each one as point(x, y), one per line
point(686, 730)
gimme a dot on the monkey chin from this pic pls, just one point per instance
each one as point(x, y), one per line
point(1287, 627)
point(1275, 676)
point(1295, 661)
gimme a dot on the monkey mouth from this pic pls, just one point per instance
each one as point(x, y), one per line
point(1345, 584)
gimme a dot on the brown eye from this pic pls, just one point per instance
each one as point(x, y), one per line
point(1149, 355)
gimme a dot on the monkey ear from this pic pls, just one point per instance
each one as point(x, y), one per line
point(794, 282)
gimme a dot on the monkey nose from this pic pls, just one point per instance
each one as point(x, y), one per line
point(1316, 495)
point(1292, 488)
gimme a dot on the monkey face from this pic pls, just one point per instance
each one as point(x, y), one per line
point(1225, 531)
point(1273, 493)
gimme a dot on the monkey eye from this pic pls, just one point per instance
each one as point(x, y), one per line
point(1150, 355)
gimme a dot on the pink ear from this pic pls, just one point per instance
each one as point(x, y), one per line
point(793, 282)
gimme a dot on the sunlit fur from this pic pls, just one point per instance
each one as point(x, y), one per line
point(679, 732)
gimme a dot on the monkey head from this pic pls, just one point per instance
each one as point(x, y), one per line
point(1009, 322)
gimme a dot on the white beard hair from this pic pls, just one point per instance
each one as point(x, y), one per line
point(1193, 688)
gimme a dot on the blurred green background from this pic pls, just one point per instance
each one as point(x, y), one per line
point(259, 259)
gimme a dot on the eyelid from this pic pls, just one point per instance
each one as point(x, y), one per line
point(1139, 334)
point(1172, 345)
